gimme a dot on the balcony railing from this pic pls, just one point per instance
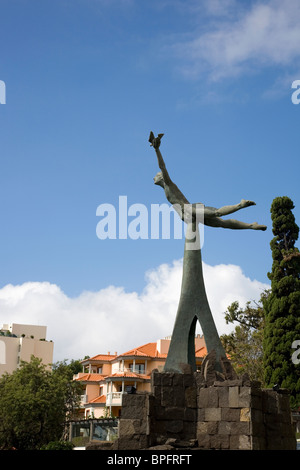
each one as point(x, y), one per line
point(136, 370)
point(114, 399)
point(84, 399)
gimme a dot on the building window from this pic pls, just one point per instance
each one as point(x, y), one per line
point(100, 370)
point(138, 368)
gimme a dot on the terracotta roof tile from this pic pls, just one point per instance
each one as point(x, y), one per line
point(100, 399)
point(90, 378)
point(202, 352)
point(146, 350)
point(128, 375)
point(100, 357)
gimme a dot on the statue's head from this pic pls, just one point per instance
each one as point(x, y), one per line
point(159, 180)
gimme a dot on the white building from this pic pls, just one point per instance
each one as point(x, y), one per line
point(19, 342)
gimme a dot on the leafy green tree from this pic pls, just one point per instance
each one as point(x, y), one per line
point(34, 404)
point(58, 445)
point(282, 307)
point(244, 343)
point(70, 369)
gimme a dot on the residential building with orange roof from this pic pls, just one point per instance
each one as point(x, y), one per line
point(106, 377)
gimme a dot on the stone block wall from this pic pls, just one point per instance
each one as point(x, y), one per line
point(237, 415)
point(280, 430)
point(182, 409)
point(224, 416)
point(174, 408)
point(134, 425)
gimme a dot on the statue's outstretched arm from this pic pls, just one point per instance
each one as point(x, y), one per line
point(155, 142)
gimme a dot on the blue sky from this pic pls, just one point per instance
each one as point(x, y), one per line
point(86, 81)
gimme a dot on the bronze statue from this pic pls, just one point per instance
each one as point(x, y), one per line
point(212, 215)
point(193, 303)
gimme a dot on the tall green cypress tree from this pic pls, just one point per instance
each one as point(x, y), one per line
point(282, 307)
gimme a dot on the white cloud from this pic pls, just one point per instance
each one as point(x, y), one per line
point(265, 34)
point(114, 320)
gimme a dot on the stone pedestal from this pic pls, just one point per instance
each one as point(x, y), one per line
point(187, 410)
point(238, 414)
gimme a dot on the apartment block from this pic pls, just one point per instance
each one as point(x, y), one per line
point(19, 342)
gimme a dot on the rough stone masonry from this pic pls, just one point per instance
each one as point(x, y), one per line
point(206, 411)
